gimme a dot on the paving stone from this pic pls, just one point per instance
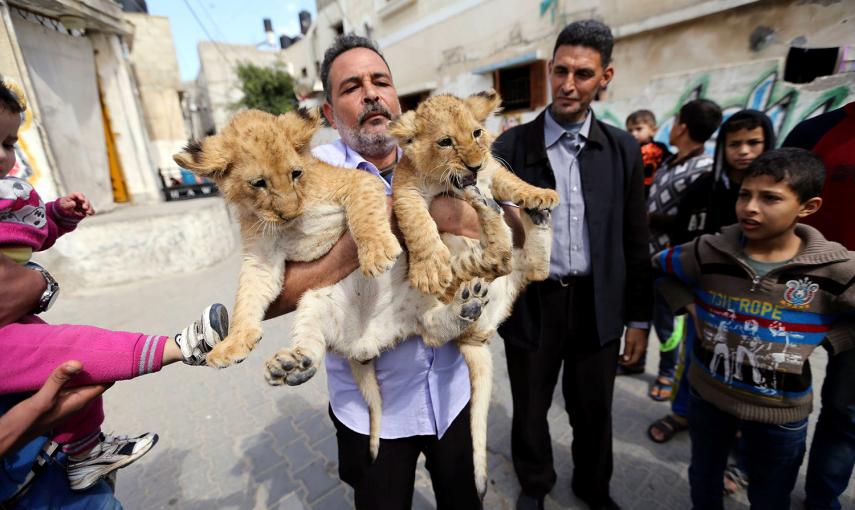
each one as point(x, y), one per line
point(328, 448)
point(334, 500)
point(297, 454)
point(317, 480)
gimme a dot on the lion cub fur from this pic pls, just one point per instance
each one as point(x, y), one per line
point(447, 150)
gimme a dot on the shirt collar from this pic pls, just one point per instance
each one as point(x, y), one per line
point(552, 130)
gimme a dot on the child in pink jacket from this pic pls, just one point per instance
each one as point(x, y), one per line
point(32, 349)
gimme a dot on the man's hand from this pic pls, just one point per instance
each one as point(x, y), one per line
point(76, 205)
point(47, 408)
point(635, 343)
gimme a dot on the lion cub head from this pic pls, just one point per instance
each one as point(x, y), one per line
point(258, 161)
point(445, 137)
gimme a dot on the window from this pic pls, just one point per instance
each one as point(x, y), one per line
point(522, 87)
point(411, 101)
point(804, 65)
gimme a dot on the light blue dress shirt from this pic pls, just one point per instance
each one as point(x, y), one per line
point(423, 388)
point(571, 254)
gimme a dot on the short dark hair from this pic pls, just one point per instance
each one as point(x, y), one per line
point(803, 171)
point(732, 126)
point(702, 117)
point(9, 100)
point(589, 33)
point(641, 117)
point(343, 43)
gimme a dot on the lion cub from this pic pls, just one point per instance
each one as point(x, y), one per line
point(294, 207)
point(447, 150)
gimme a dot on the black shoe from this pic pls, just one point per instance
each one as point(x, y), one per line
point(606, 504)
point(529, 503)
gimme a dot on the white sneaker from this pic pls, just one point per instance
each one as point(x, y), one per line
point(198, 338)
point(112, 453)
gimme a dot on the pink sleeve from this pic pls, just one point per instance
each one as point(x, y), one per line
point(58, 223)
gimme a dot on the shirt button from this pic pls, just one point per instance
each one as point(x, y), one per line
point(574, 188)
point(575, 247)
point(575, 218)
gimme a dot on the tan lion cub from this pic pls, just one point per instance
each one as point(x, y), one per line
point(447, 150)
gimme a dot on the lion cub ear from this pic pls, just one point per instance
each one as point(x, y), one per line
point(206, 158)
point(404, 128)
point(483, 104)
point(300, 126)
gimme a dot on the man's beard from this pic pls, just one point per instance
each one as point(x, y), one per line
point(373, 145)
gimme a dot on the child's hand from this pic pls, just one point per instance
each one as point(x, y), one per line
point(77, 205)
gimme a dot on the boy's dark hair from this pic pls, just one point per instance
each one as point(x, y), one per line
point(589, 33)
point(641, 117)
point(702, 117)
point(344, 43)
point(9, 100)
point(802, 170)
point(735, 125)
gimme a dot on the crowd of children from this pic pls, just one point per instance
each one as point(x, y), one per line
point(754, 291)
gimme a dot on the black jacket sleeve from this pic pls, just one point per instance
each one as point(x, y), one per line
point(639, 279)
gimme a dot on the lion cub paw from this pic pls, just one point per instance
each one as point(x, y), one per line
point(289, 366)
point(377, 258)
point(233, 349)
point(541, 199)
point(470, 299)
point(431, 275)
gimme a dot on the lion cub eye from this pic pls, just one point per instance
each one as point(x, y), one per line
point(258, 183)
point(477, 133)
point(296, 173)
point(444, 142)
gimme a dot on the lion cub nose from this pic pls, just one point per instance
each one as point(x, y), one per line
point(473, 169)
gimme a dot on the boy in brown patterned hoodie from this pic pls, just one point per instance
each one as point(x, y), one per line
point(763, 294)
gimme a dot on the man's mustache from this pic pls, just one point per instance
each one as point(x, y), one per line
point(373, 109)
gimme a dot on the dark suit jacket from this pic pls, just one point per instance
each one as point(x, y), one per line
point(615, 212)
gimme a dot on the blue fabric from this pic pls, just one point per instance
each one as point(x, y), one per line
point(773, 455)
point(832, 452)
point(571, 247)
point(50, 489)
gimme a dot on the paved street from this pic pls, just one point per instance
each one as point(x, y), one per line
point(228, 440)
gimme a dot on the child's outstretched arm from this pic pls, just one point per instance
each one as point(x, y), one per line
point(676, 271)
point(63, 215)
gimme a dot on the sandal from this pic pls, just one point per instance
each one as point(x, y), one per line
point(662, 389)
point(667, 427)
point(734, 480)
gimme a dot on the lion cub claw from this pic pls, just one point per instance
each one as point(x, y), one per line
point(432, 275)
point(289, 366)
point(233, 349)
point(377, 258)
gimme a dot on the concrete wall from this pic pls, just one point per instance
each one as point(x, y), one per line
point(140, 242)
point(755, 85)
point(155, 68)
point(217, 80)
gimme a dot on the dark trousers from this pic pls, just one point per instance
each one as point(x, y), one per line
point(773, 454)
point(832, 452)
point(569, 338)
point(387, 483)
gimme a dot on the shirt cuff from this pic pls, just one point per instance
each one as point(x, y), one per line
point(638, 325)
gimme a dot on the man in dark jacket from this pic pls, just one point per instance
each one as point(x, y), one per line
point(599, 272)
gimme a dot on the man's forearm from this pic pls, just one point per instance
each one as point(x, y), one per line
point(299, 277)
point(22, 289)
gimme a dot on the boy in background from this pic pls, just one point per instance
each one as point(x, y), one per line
point(763, 295)
point(641, 124)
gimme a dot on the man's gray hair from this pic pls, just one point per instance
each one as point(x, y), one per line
point(342, 44)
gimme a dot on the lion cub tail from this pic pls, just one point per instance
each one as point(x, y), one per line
point(366, 381)
point(480, 363)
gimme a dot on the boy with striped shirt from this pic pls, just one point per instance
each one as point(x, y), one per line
point(763, 294)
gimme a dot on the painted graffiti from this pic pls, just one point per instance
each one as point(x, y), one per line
point(757, 86)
